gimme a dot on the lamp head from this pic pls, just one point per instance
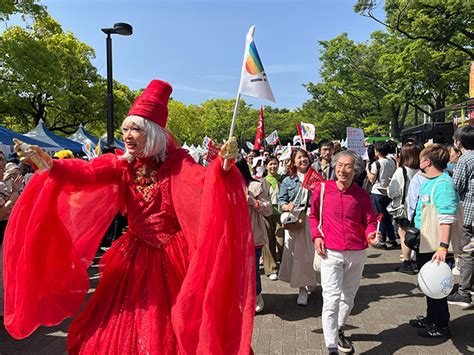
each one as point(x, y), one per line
point(120, 28)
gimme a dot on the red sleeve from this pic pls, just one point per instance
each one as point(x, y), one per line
point(215, 308)
point(52, 235)
point(314, 215)
point(104, 169)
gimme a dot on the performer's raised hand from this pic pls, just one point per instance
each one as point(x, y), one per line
point(33, 155)
point(229, 151)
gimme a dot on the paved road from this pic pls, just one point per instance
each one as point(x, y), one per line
point(378, 324)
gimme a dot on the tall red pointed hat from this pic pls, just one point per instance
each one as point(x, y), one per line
point(152, 104)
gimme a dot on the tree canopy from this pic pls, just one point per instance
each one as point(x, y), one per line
point(23, 7)
point(416, 66)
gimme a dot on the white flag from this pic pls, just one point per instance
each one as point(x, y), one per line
point(272, 138)
point(286, 152)
point(308, 131)
point(297, 140)
point(253, 80)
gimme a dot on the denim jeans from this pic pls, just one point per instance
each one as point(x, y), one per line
point(466, 264)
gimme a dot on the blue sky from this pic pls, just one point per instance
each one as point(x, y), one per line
point(198, 46)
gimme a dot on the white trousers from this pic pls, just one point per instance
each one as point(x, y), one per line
point(341, 272)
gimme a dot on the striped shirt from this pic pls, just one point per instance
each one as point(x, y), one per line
point(463, 178)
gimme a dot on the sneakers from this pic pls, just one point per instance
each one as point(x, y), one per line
point(418, 322)
point(380, 245)
point(459, 299)
point(406, 268)
point(344, 344)
point(434, 331)
point(260, 304)
point(469, 248)
point(333, 351)
point(302, 297)
point(393, 244)
point(273, 277)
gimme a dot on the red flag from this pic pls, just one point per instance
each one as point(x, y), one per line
point(212, 151)
point(312, 179)
point(300, 132)
point(260, 132)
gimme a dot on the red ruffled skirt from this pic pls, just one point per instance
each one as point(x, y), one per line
point(130, 312)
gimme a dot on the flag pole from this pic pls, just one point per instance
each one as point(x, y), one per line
point(234, 116)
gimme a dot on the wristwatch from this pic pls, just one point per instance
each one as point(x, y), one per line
point(444, 245)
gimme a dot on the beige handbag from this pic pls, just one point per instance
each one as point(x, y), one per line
point(317, 257)
point(430, 231)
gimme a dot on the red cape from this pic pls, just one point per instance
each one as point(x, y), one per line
point(56, 227)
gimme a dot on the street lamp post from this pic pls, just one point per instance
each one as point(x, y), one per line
point(123, 29)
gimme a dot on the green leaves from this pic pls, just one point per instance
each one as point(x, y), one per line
point(24, 7)
point(420, 63)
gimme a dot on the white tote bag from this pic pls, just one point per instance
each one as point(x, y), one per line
point(317, 257)
point(430, 232)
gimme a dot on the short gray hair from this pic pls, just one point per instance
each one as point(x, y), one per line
point(358, 162)
point(156, 140)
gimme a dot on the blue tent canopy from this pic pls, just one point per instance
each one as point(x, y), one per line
point(41, 133)
point(6, 137)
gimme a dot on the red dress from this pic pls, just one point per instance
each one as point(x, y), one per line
point(179, 281)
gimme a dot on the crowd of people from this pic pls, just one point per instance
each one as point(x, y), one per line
point(180, 226)
point(395, 182)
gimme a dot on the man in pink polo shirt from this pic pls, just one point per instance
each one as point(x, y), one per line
point(341, 236)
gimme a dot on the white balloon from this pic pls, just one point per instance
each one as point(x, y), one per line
point(436, 279)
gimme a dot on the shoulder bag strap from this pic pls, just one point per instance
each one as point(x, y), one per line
point(434, 188)
point(405, 179)
point(321, 200)
point(377, 164)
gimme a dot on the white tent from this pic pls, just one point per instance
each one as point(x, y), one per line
point(81, 136)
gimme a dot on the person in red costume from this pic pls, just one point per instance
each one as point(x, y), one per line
point(181, 278)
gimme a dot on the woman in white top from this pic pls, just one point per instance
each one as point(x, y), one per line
point(408, 166)
point(379, 174)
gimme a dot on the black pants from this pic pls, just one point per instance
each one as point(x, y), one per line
point(3, 226)
point(380, 203)
point(437, 310)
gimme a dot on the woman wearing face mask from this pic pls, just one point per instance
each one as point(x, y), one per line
point(181, 278)
point(273, 251)
point(298, 255)
point(454, 155)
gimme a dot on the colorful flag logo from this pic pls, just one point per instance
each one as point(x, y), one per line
point(286, 152)
point(253, 80)
point(308, 131)
point(98, 149)
point(89, 151)
point(272, 139)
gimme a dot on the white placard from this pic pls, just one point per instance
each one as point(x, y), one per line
point(355, 141)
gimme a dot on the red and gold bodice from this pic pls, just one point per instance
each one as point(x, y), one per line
point(151, 215)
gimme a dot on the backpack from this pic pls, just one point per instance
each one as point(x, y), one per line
point(367, 185)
